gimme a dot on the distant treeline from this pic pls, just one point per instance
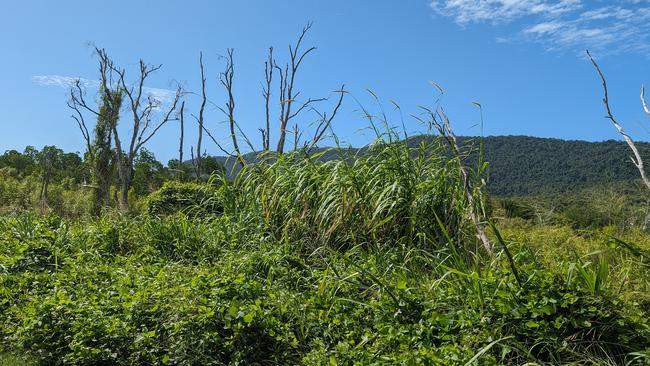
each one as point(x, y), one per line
point(519, 165)
point(525, 166)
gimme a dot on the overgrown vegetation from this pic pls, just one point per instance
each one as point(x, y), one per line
point(348, 261)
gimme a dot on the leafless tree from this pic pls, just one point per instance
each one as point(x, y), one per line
point(288, 106)
point(181, 117)
point(636, 159)
point(266, 93)
point(226, 79)
point(287, 93)
point(196, 161)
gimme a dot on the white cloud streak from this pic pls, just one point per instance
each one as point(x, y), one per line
point(162, 96)
point(500, 11)
point(607, 27)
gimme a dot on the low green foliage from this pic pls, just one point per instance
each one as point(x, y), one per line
point(624, 205)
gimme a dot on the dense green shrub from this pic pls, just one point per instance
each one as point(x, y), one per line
point(191, 198)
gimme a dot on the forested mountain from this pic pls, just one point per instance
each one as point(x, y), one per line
point(522, 165)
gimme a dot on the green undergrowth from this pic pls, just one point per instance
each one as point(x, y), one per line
point(319, 263)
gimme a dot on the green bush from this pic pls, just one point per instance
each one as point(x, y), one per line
point(190, 198)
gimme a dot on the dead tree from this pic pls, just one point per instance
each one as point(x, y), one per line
point(266, 93)
point(288, 106)
point(226, 79)
point(143, 126)
point(636, 159)
point(181, 117)
point(287, 93)
point(99, 146)
point(196, 161)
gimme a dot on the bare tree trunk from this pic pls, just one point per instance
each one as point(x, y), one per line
point(180, 144)
point(126, 175)
point(197, 161)
point(266, 92)
point(44, 185)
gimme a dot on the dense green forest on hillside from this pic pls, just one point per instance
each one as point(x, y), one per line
point(522, 165)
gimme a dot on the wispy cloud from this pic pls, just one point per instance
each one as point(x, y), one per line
point(560, 25)
point(163, 96)
point(500, 11)
point(63, 81)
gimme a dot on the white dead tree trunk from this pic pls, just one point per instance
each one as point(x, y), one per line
point(636, 159)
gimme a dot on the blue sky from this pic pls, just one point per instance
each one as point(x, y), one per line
point(522, 60)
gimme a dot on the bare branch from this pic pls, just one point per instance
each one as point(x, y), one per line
point(217, 142)
point(79, 118)
point(327, 121)
point(305, 105)
point(287, 82)
point(643, 102)
point(77, 98)
point(638, 162)
point(163, 121)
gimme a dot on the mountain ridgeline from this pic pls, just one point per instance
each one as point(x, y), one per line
point(521, 165)
point(524, 165)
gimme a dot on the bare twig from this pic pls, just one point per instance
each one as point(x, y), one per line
point(643, 102)
point(287, 83)
point(636, 160)
point(326, 121)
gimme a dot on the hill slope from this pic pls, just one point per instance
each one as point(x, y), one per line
point(521, 165)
